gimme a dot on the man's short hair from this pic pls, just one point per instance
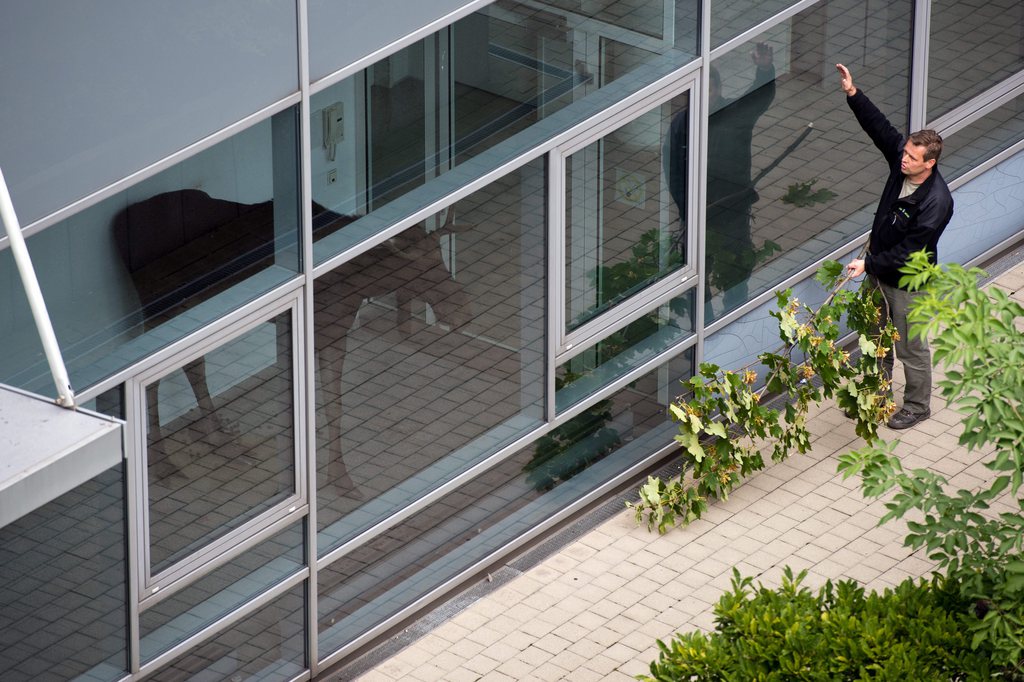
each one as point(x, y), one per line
point(930, 140)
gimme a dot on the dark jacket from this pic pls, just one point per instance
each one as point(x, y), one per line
point(901, 226)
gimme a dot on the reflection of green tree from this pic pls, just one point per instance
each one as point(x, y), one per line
point(573, 446)
point(644, 266)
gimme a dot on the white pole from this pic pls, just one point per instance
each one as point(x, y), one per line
point(66, 397)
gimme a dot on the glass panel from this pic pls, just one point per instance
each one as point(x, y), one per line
point(96, 105)
point(268, 645)
point(158, 261)
point(994, 132)
point(625, 211)
point(430, 353)
point(185, 613)
point(376, 580)
point(729, 18)
point(974, 45)
point(220, 441)
point(640, 16)
point(629, 347)
point(490, 87)
point(791, 175)
point(63, 587)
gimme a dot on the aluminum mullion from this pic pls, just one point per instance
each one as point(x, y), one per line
point(556, 273)
point(306, 352)
point(919, 64)
point(135, 554)
point(698, 180)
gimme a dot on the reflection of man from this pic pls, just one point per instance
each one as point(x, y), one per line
point(914, 210)
point(731, 194)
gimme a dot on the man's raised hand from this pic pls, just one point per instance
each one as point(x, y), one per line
point(846, 80)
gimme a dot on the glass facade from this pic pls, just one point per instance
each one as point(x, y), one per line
point(63, 579)
point(356, 370)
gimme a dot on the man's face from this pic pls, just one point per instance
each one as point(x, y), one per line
point(913, 164)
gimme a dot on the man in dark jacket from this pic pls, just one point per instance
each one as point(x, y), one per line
point(914, 210)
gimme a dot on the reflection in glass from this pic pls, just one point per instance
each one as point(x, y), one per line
point(624, 228)
point(973, 46)
point(215, 595)
point(63, 577)
point(156, 262)
point(429, 353)
point(729, 18)
point(625, 349)
point(476, 91)
point(790, 175)
point(729, 250)
point(220, 441)
point(376, 580)
point(996, 131)
point(267, 645)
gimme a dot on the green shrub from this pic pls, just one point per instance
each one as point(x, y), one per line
point(913, 633)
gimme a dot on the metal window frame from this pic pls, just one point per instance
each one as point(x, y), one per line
point(674, 283)
point(152, 587)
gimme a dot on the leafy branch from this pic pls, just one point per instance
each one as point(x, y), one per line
point(724, 427)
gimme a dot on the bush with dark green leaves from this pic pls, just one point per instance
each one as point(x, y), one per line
point(914, 632)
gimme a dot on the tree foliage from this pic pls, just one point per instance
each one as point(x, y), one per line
point(841, 633)
point(974, 535)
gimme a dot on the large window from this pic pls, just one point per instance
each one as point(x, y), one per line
point(790, 174)
point(430, 353)
point(477, 90)
point(156, 262)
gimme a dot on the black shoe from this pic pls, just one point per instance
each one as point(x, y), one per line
point(904, 419)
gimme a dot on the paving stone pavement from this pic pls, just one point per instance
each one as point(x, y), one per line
point(593, 609)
